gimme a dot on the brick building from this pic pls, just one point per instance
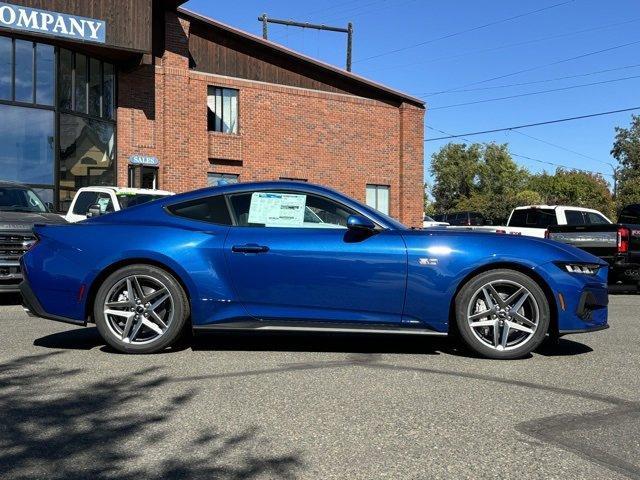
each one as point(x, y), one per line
point(149, 94)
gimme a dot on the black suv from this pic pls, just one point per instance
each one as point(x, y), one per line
point(20, 210)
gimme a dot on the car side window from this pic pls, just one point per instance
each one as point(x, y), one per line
point(574, 217)
point(210, 209)
point(288, 210)
point(84, 201)
point(596, 219)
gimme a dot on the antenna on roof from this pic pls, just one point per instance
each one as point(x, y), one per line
point(290, 23)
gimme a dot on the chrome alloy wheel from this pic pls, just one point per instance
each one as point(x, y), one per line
point(138, 309)
point(503, 315)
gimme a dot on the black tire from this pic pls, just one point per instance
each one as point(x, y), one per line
point(179, 305)
point(469, 293)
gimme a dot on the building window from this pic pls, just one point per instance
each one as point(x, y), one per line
point(378, 197)
point(27, 153)
point(222, 110)
point(215, 179)
point(87, 155)
point(22, 62)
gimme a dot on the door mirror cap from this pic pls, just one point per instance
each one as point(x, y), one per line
point(94, 211)
point(358, 222)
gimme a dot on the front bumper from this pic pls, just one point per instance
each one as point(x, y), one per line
point(33, 308)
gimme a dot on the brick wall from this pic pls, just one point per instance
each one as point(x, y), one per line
point(338, 140)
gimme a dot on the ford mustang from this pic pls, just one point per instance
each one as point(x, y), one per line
point(298, 257)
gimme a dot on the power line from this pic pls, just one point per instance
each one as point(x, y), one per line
point(546, 80)
point(548, 122)
point(506, 46)
point(479, 27)
point(509, 97)
point(519, 155)
point(537, 67)
point(560, 147)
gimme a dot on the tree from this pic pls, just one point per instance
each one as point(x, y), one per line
point(626, 150)
point(454, 168)
point(481, 178)
point(574, 187)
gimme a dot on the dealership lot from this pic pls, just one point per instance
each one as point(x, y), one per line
point(300, 406)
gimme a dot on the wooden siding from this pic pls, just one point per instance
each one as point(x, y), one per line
point(217, 51)
point(128, 21)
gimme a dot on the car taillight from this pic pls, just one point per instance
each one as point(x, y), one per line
point(623, 240)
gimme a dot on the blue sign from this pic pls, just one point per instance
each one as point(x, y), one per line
point(144, 160)
point(16, 17)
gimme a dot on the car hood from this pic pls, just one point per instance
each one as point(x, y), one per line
point(501, 245)
point(25, 221)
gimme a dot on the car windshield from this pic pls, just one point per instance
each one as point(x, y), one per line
point(427, 218)
point(17, 199)
point(127, 200)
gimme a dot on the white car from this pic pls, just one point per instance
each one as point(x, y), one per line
point(430, 222)
point(91, 201)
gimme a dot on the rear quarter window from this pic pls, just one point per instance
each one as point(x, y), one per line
point(209, 209)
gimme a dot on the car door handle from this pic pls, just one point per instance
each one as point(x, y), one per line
point(249, 248)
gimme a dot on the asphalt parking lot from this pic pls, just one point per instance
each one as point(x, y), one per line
point(300, 406)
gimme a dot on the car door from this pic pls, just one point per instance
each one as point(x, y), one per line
point(291, 257)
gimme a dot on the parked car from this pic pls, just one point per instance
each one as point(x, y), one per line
point(247, 257)
point(94, 201)
point(463, 219)
point(430, 222)
point(617, 244)
point(20, 209)
point(534, 220)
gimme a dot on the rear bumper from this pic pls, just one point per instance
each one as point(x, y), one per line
point(33, 308)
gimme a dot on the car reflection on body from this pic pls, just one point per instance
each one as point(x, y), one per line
point(291, 256)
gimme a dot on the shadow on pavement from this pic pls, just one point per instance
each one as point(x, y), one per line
point(89, 338)
point(57, 426)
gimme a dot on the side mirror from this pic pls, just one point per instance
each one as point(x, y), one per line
point(358, 222)
point(94, 211)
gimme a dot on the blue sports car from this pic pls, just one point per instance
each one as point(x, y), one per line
point(294, 256)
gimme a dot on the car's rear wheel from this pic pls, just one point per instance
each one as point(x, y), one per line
point(140, 309)
point(502, 314)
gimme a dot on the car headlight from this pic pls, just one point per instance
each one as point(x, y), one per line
point(583, 268)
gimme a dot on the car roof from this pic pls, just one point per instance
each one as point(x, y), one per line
point(553, 207)
point(127, 190)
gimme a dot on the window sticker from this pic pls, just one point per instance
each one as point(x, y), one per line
point(277, 209)
point(103, 203)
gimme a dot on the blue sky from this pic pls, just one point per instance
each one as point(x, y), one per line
point(532, 42)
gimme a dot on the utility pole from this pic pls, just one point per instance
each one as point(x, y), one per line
point(290, 23)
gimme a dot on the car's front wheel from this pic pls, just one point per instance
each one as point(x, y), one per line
point(140, 309)
point(502, 314)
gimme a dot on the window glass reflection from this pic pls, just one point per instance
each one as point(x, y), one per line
point(87, 151)
point(95, 87)
point(26, 136)
point(44, 74)
point(108, 92)
point(80, 104)
point(64, 79)
point(24, 71)
point(6, 67)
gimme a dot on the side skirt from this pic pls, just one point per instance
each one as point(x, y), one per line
point(269, 326)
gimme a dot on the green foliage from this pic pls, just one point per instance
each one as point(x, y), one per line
point(574, 187)
point(481, 178)
point(626, 149)
point(484, 178)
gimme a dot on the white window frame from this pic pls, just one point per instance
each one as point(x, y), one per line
point(376, 202)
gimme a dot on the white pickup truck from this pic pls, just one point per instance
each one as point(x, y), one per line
point(92, 201)
point(533, 220)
